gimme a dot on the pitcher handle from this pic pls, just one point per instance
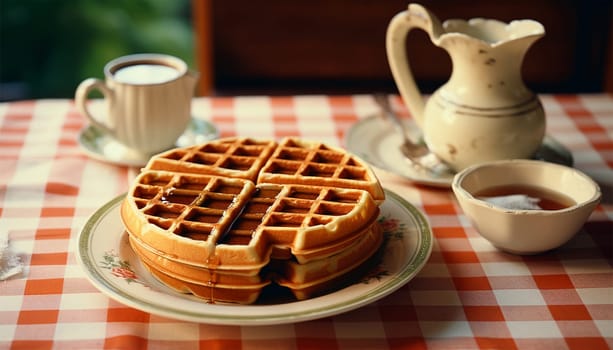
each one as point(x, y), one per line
point(416, 16)
point(83, 90)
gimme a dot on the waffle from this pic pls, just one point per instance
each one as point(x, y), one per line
point(292, 161)
point(229, 157)
point(295, 161)
point(224, 219)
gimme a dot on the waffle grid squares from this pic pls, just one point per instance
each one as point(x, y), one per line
point(189, 206)
point(289, 161)
point(239, 157)
point(235, 157)
point(269, 209)
point(294, 159)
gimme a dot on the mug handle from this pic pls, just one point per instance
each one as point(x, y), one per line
point(416, 16)
point(83, 90)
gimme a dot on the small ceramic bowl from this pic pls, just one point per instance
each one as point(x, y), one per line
point(511, 226)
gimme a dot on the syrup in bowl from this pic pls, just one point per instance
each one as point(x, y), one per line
point(525, 197)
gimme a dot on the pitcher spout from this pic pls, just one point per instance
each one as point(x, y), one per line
point(522, 34)
point(490, 32)
point(525, 29)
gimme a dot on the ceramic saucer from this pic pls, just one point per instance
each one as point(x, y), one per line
point(101, 146)
point(376, 141)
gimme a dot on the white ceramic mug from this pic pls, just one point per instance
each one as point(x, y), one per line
point(148, 100)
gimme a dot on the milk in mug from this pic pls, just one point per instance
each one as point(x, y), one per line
point(145, 74)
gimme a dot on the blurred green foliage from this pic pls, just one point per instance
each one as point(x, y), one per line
point(47, 47)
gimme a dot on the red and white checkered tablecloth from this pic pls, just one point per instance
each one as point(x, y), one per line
point(468, 295)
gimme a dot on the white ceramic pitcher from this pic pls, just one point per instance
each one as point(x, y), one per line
point(484, 112)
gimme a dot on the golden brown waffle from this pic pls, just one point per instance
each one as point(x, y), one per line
point(296, 161)
point(229, 157)
point(292, 161)
point(207, 223)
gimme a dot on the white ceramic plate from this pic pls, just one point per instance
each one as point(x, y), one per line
point(101, 146)
point(376, 141)
point(110, 264)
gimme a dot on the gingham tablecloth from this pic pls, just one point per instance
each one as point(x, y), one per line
point(468, 295)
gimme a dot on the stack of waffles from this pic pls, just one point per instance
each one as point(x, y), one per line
point(224, 219)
